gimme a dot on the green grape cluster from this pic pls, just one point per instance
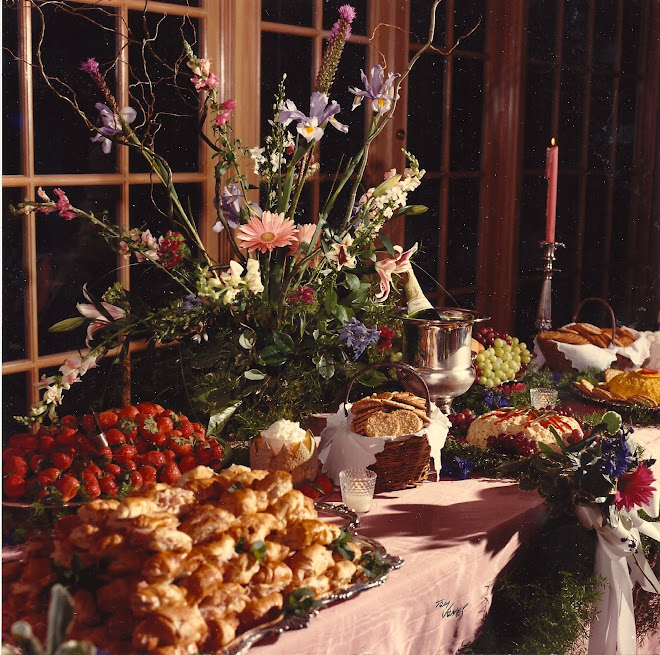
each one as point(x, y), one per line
point(501, 362)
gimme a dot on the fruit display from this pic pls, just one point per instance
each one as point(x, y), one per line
point(502, 358)
point(106, 454)
point(461, 421)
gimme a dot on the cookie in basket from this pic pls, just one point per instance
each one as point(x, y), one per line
point(389, 414)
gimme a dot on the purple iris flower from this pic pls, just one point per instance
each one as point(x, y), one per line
point(320, 112)
point(616, 456)
point(358, 336)
point(457, 468)
point(111, 124)
point(378, 89)
point(231, 200)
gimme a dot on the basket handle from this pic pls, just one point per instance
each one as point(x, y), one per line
point(613, 338)
point(398, 365)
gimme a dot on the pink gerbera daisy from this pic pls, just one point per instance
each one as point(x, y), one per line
point(268, 232)
point(634, 489)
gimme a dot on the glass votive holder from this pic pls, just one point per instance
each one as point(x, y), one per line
point(541, 398)
point(357, 488)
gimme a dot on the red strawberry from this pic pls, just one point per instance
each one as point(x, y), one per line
point(66, 438)
point(48, 476)
point(170, 473)
point(91, 486)
point(170, 455)
point(149, 474)
point(11, 452)
point(130, 465)
point(36, 461)
point(68, 487)
point(154, 458)
point(89, 423)
point(136, 479)
point(70, 421)
point(92, 470)
point(187, 463)
point(25, 442)
point(107, 419)
point(125, 452)
point(158, 439)
point(203, 453)
point(17, 465)
point(115, 437)
point(164, 424)
point(112, 469)
point(108, 485)
point(326, 484)
point(46, 444)
point(310, 491)
point(150, 408)
point(186, 428)
point(128, 412)
point(14, 486)
point(61, 460)
point(180, 445)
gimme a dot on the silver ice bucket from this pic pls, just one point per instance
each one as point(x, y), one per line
point(441, 353)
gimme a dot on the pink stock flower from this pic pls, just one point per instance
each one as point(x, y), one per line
point(98, 319)
point(229, 104)
point(388, 267)
point(268, 232)
point(634, 489)
point(63, 205)
point(211, 81)
point(222, 118)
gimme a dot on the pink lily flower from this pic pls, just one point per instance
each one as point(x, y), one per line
point(98, 320)
point(388, 267)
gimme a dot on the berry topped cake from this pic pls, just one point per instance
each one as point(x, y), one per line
point(532, 425)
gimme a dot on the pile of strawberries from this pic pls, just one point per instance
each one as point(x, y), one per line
point(145, 443)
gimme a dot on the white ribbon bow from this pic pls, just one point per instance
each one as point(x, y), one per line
point(619, 559)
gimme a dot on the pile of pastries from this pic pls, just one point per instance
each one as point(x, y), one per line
point(582, 334)
point(183, 568)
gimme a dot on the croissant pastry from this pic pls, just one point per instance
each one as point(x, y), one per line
point(275, 484)
point(309, 531)
point(207, 522)
point(241, 568)
point(261, 609)
point(170, 625)
point(243, 501)
point(228, 598)
point(310, 562)
point(254, 527)
point(161, 567)
point(221, 627)
point(155, 596)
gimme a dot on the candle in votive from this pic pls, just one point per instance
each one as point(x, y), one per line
point(357, 488)
point(551, 171)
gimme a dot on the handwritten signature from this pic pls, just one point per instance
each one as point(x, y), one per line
point(448, 609)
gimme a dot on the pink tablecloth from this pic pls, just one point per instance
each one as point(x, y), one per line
point(455, 538)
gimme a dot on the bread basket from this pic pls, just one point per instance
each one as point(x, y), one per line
point(555, 360)
point(405, 462)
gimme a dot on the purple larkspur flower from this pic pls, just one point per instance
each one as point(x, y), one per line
point(358, 336)
point(457, 468)
point(320, 113)
point(111, 124)
point(190, 301)
point(378, 89)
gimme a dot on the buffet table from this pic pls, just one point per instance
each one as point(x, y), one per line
point(455, 537)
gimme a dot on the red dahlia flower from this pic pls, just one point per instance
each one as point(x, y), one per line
point(634, 489)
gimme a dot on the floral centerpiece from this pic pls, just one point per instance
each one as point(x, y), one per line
point(301, 307)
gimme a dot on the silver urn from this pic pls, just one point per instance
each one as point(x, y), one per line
point(440, 351)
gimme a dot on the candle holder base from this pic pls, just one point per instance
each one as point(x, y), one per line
point(544, 310)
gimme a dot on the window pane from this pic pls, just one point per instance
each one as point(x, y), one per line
point(11, 117)
point(595, 220)
point(334, 145)
point(605, 33)
point(420, 18)
point(541, 29)
point(171, 106)
point(538, 116)
point(467, 17)
point(600, 131)
point(571, 114)
point(14, 279)
point(466, 115)
point(424, 125)
point(292, 12)
point(567, 211)
point(630, 36)
point(14, 403)
point(625, 134)
point(424, 230)
point(462, 232)
point(154, 285)
point(70, 254)
point(620, 263)
point(68, 149)
point(281, 53)
point(331, 14)
point(532, 222)
point(574, 50)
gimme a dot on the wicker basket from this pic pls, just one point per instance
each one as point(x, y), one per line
point(556, 361)
point(406, 462)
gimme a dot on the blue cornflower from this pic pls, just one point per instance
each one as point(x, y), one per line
point(190, 301)
point(358, 336)
point(457, 468)
point(616, 456)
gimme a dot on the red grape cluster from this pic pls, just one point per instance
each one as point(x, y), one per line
point(512, 444)
point(486, 336)
point(461, 421)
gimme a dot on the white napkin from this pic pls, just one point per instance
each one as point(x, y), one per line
point(341, 448)
point(588, 356)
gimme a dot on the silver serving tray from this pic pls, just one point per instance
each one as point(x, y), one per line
point(283, 623)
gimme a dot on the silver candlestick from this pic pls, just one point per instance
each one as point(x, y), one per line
point(544, 311)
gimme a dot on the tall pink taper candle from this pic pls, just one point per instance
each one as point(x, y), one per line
point(551, 169)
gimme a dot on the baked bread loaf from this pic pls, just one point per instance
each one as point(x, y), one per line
point(535, 424)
